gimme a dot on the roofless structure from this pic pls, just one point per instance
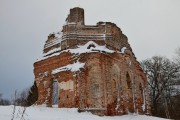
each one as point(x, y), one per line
point(91, 67)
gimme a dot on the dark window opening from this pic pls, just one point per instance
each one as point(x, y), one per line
point(91, 45)
point(141, 90)
point(128, 80)
point(113, 86)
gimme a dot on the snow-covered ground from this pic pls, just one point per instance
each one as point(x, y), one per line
point(45, 113)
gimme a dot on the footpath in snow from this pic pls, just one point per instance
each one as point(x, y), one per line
point(45, 113)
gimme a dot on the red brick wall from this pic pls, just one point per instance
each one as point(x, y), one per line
point(93, 85)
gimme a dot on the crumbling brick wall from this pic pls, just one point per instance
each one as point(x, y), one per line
point(109, 81)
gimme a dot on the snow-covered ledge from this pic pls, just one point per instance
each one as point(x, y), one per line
point(72, 67)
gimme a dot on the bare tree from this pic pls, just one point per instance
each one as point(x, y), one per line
point(14, 105)
point(177, 57)
point(176, 97)
point(21, 97)
point(4, 101)
point(162, 76)
point(26, 97)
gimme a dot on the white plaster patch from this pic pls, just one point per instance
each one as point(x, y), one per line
point(45, 84)
point(45, 74)
point(37, 82)
point(69, 85)
point(144, 102)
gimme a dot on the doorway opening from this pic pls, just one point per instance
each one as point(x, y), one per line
point(55, 93)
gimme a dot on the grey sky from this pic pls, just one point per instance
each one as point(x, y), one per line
point(152, 27)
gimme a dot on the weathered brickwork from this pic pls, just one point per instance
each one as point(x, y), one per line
point(94, 69)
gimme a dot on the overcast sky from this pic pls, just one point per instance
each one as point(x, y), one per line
point(152, 28)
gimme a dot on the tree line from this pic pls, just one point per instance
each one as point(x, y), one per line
point(25, 98)
point(163, 77)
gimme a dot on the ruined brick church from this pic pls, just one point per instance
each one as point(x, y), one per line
point(92, 68)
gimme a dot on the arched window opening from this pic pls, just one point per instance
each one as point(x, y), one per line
point(55, 93)
point(141, 90)
point(113, 86)
point(128, 80)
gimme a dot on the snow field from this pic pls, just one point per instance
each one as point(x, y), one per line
point(46, 113)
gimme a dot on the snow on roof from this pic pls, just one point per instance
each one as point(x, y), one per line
point(84, 48)
point(123, 49)
point(81, 49)
point(58, 34)
point(52, 51)
point(72, 67)
point(56, 40)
